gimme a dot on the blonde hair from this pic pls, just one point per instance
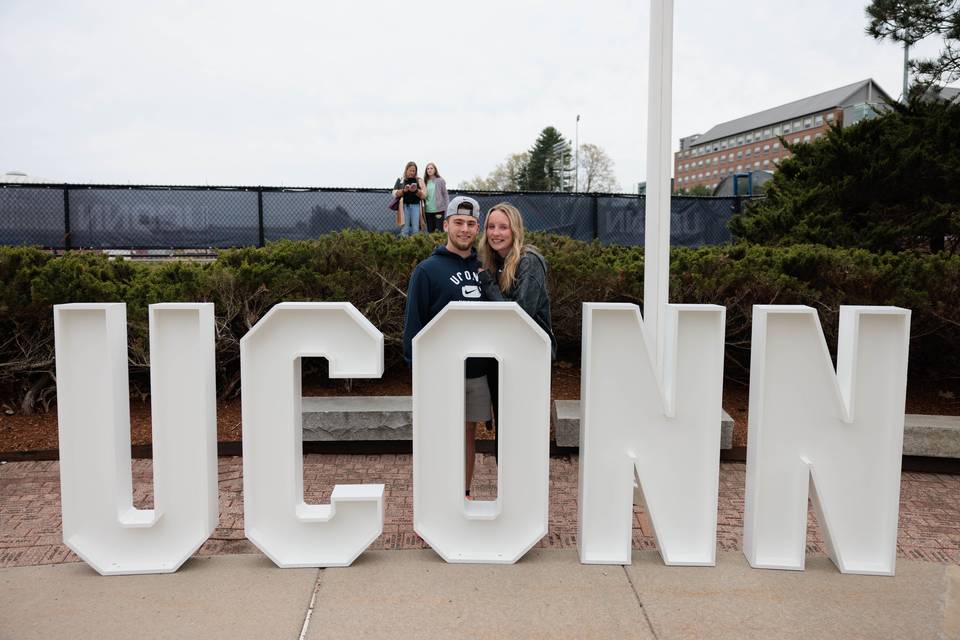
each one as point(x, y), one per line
point(512, 259)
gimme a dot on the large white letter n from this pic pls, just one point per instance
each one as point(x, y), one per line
point(840, 435)
point(660, 423)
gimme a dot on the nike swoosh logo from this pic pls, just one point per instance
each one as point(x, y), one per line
point(470, 291)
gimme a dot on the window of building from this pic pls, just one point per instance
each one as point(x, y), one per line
point(714, 172)
point(757, 151)
point(739, 167)
point(766, 163)
point(740, 140)
point(807, 123)
point(756, 164)
point(776, 131)
point(749, 137)
point(818, 136)
point(776, 161)
point(766, 148)
point(796, 140)
point(776, 145)
point(739, 154)
point(818, 120)
point(806, 138)
point(786, 128)
point(748, 153)
point(715, 160)
point(829, 117)
point(723, 145)
point(731, 142)
point(796, 125)
point(767, 133)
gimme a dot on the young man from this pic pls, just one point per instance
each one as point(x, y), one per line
point(451, 274)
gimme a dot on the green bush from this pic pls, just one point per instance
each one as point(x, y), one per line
point(371, 270)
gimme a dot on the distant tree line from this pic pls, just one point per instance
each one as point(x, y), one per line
point(551, 165)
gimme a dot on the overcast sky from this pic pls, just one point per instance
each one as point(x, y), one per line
point(344, 93)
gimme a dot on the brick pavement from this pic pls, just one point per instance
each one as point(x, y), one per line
point(30, 507)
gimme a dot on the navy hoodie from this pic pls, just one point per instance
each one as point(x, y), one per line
point(443, 277)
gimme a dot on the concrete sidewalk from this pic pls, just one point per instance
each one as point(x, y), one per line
point(414, 594)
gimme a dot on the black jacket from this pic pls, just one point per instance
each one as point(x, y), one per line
point(529, 290)
point(441, 278)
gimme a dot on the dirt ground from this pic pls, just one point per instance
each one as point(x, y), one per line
point(38, 432)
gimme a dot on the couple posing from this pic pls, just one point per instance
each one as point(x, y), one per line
point(504, 270)
point(423, 200)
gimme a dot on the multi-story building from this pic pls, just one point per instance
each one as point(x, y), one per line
point(754, 142)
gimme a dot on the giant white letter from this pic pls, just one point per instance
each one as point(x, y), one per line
point(662, 426)
point(840, 435)
point(100, 523)
point(276, 518)
point(504, 529)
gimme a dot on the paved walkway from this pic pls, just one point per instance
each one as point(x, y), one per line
point(30, 507)
point(232, 591)
point(414, 594)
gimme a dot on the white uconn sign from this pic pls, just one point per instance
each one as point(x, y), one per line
point(651, 393)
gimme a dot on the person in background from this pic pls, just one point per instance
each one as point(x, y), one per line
point(411, 191)
point(436, 201)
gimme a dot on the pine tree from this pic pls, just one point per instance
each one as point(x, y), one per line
point(545, 170)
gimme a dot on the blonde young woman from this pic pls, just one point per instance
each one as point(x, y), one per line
point(436, 200)
point(411, 191)
point(513, 270)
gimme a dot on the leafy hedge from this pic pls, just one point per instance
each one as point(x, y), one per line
point(371, 270)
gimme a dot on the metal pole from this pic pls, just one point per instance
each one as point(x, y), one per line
point(576, 161)
point(260, 239)
point(67, 239)
point(656, 263)
point(906, 71)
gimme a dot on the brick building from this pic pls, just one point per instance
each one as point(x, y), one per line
point(753, 142)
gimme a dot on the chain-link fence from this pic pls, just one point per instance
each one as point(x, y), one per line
point(151, 217)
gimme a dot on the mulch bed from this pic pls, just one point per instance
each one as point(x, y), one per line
point(38, 432)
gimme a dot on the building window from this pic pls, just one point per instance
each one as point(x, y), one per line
point(715, 161)
point(767, 133)
point(748, 153)
point(714, 172)
point(776, 161)
point(796, 140)
point(776, 145)
point(766, 148)
point(766, 163)
point(829, 117)
point(818, 136)
point(776, 131)
point(796, 125)
point(807, 123)
point(740, 140)
point(806, 138)
point(749, 137)
point(786, 128)
point(756, 164)
point(757, 151)
point(739, 167)
point(739, 154)
point(818, 120)
point(723, 145)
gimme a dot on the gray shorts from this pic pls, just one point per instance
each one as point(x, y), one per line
point(477, 400)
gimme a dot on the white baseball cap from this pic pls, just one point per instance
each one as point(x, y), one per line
point(463, 206)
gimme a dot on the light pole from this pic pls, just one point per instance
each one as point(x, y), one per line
point(576, 156)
